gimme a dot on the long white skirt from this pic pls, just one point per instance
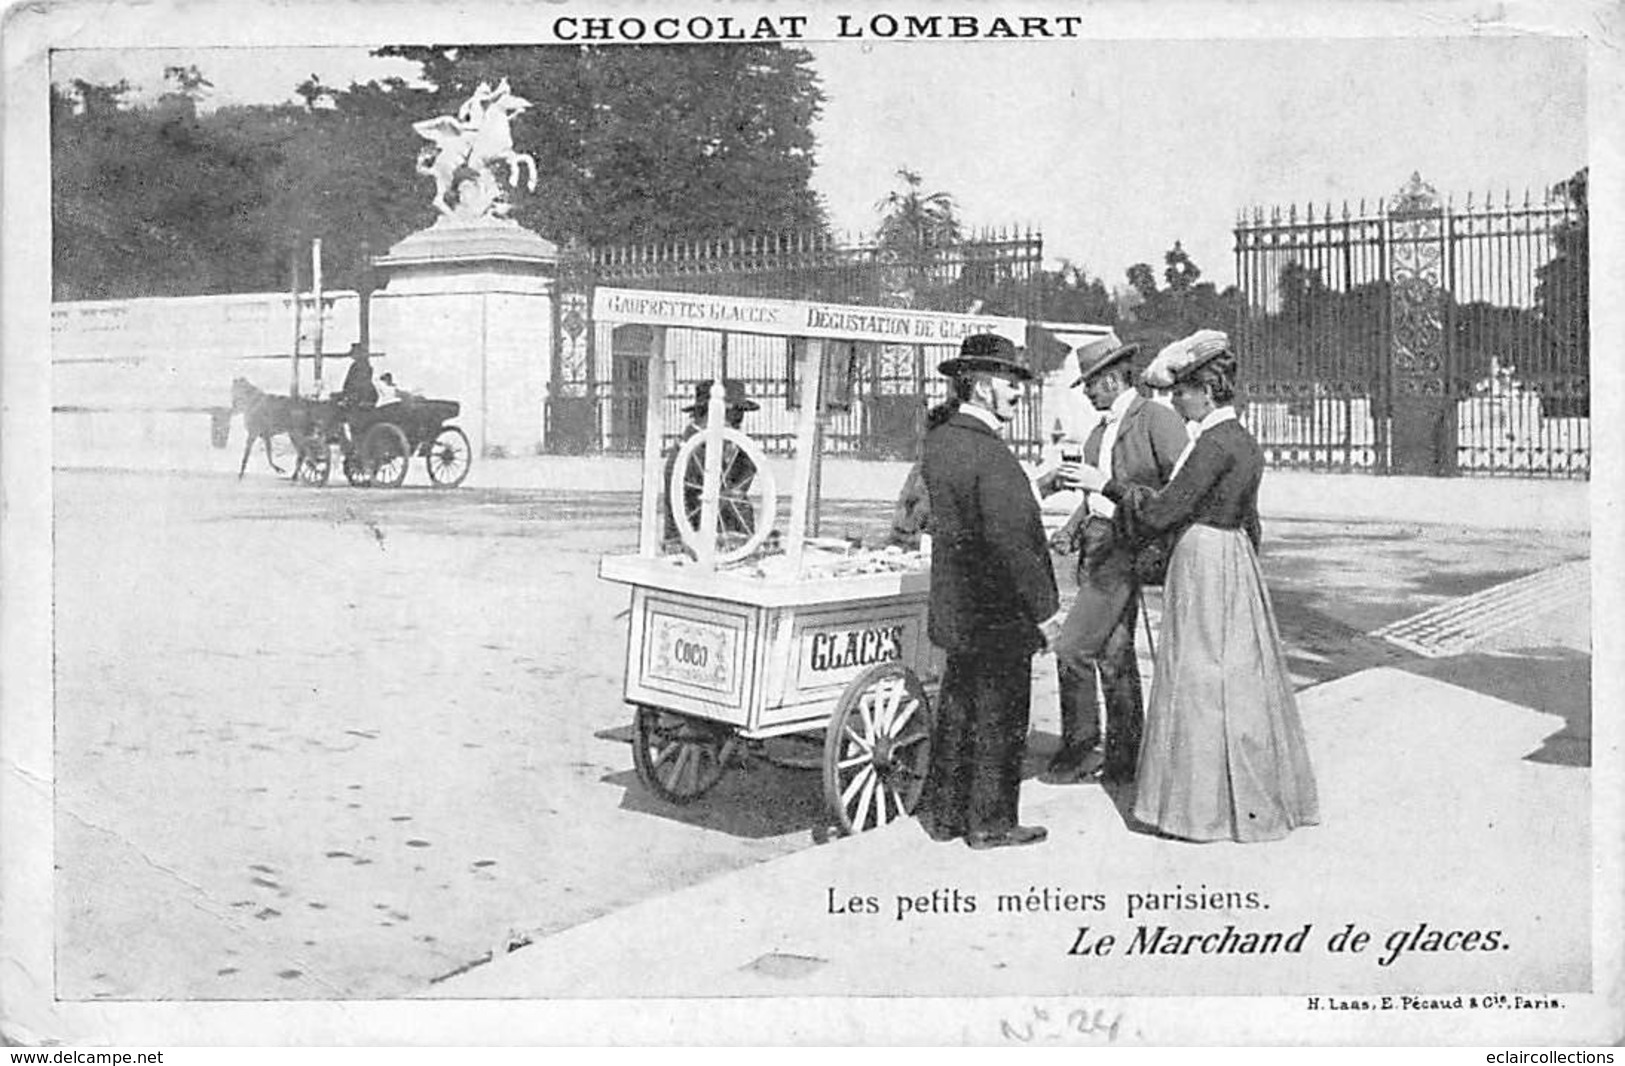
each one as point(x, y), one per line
point(1223, 756)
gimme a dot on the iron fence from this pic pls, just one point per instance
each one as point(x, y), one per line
point(1418, 337)
point(600, 391)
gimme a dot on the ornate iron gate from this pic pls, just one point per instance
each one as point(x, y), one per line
point(1420, 338)
point(593, 392)
point(572, 387)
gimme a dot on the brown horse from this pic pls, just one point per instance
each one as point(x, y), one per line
point(264, 416)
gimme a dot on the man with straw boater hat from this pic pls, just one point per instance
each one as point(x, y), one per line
point(1138, 442)
point(993, 602)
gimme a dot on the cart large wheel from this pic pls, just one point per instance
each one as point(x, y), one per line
point(678, 757)
point(448, 457)
point(878, 748)
point(746, 509)
point(384, 454)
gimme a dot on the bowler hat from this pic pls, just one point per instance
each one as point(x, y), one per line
point(986, 353)
point(1101, 355)
point(734, 391)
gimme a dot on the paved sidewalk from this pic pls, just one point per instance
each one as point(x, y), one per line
point(1482, 839)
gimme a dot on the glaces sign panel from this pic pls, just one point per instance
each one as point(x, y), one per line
point(835, 654)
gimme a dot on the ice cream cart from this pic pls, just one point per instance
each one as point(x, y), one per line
point(756, 628)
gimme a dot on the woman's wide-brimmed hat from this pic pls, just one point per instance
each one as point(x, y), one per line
point(1099, 356)
point(986, 353)
point(1181, 360)
point(1204, 346)
point(734, 390)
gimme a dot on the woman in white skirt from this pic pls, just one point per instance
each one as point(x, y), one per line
point(1223, 756)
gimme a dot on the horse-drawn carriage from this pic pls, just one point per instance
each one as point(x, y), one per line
point(375, 444)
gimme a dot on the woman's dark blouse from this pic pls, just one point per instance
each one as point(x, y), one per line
point(1217, 486)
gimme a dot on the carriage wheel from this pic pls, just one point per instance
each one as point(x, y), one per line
point(315, 465)
point(678, 758)
point(878, 748)
point(354, 472)
point(384, 455)
point(744, 519)
point(448, 457)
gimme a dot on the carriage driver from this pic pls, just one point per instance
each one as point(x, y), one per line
point(359, 391)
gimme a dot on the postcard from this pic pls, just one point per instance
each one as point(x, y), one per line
point(737, 523)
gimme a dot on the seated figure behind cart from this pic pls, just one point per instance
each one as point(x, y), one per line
point(735, 514)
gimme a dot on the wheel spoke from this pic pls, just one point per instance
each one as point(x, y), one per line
point(866, 710)
point(864, 801)
point(864, 744)
point(894, 697)
point(858, 779)
point(909, 742)
point(902, 720)
point(681, 771)
point(897, 801)
point(702, 765)
point(856, 760)
point(900, 770)
point(696, 765)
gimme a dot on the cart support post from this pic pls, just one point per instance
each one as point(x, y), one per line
point(710, 496)
point(809, 375)
point(316, 291)
point(293, 295)
point(654, 425)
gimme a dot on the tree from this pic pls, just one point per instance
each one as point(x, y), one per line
point(913, 223)
point(633, 145)
point(1562, 298)
point(1163, 315)
point(149, 200)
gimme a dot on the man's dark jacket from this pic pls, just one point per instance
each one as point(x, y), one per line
point(991, 578)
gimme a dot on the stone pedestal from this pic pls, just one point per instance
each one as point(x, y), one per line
point(466, 314)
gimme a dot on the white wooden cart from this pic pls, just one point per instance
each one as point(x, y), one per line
point(733, 643)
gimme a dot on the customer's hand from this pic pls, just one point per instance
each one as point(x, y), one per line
point(1064, 540)
point(1091, 479)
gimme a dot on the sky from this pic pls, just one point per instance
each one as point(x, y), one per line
point(1113, 149)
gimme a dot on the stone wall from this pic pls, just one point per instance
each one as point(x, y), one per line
point(140, 373)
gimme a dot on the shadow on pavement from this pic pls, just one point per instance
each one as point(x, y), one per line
point(757, 798)
point(1320, 648)
point(1552, 680)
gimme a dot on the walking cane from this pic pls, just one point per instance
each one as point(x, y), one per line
point(1150, 642)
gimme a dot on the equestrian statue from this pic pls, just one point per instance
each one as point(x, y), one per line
point(464, 147)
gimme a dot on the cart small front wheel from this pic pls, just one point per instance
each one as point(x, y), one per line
point(678, 758)
point(878, 748)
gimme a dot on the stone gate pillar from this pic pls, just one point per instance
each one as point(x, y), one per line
point(467, 314)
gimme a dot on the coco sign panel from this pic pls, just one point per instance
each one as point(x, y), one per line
point(692, 652)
